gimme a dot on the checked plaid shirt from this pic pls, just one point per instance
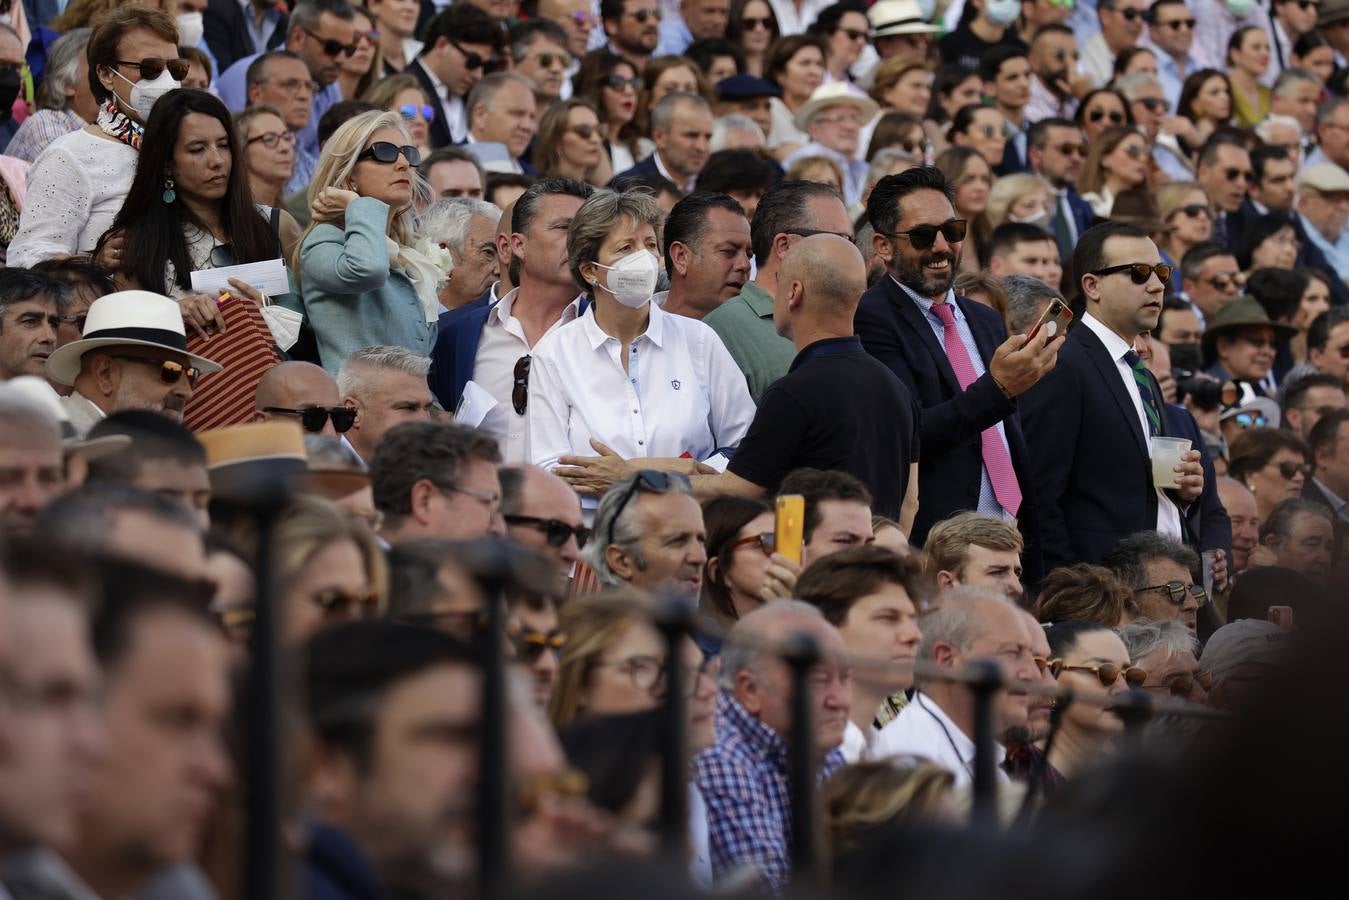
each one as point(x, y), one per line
point(743, 777)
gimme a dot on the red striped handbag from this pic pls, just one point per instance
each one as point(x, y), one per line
point(245, 351)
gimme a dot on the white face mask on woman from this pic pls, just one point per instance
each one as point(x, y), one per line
point(632, 280)
point(144, 93)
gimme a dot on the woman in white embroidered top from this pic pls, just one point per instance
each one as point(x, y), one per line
point(626, 380)
point(78, 183)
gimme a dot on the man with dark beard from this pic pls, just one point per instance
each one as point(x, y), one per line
point(954, 356)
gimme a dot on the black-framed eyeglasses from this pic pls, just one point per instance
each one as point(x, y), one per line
point(1177, 591)
point(151, 67)
point(652, 481)
point(1139, 273)
point(313, 418)
point(387, 153)
point(1153, 104)
point(471, 60)
point(1290, 470)
point(170, 372)
point(618, 83)
point(271, 138)
point(1130, 15)
point(853, 34)
point(922, 237)
point(555, 531)
point(641, 15)
point(520, 385)
point(1115, 117)
point(1245, 175)
point(1195, 210)
point(1178, 24)
point(331, 46)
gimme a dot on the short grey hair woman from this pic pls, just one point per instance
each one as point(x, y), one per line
point(64, 102)
point(625, 379)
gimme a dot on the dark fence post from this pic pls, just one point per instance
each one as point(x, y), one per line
point(674, 617)
point(801, 652)
point(986, 680)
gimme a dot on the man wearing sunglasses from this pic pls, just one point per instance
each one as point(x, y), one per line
point(543, 513)
point(1224, 172)
point(460, 43)
point(1240, 344)
point(1171, 27)
point(1210, 279)
point(633, 28)
point(1057, 151)
point(1053, 63)
point(538, 51)
point(1121, 27)
point(953, 355)
point(322, 34)
point(1160, 571)
point(1168, 652)
point(1090, 422)
point(302, 392)
point(133, 355)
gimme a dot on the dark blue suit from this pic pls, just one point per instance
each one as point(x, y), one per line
point(950, 469)
point(439, 129)
point(457, 334)
point(1311, 257)
point(1012, 161)
point(1093, 470)
point(643, 169)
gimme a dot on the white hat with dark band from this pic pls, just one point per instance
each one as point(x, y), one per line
point(127, 319)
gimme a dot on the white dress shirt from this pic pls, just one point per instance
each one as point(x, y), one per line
point(792, 20)
point(1097, 61)
point(499, 349)
point(682, 392)
point(700, 838)
point(857, 744)
point(1168, 514)
point(451, 107)
point(924, 729)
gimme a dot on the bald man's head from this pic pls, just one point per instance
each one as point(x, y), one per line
point(821, 279)
point(295, 386)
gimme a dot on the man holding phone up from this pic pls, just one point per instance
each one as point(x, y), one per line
point(954, 356)
point(1094, 423)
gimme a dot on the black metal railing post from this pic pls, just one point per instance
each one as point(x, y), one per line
point(801, 652)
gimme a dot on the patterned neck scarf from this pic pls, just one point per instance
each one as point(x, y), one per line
point(119, 125)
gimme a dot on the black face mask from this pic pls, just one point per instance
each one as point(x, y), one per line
point(10, 82)
point(1187, 356)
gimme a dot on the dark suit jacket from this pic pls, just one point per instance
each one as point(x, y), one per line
point(457, 334)
point(227, 33)
point(893, 330)
point(641, 170)
point(1310, 491)
point(440, 129)
point(1311, 257)
point(1093, 472)
point(1011, 161)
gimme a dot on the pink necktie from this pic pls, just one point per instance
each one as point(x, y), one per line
point(997, 460)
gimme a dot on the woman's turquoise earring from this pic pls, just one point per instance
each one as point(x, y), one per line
point(170, 194)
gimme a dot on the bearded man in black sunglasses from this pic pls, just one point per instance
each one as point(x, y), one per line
point(953, 355)
point(1091, 423)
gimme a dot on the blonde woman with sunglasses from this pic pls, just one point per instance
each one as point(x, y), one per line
point(365, 277)
point(1090, 660)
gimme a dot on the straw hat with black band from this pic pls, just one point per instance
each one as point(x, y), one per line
point(127, 319)
point(892, 17)
point(1241, 313)
point(836, 93)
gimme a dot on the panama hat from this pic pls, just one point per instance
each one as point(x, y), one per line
point(891, 17)
point(244, 460)
point(836, 93)
point(127, 319)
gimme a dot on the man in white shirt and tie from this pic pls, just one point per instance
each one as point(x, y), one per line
point(968, 625)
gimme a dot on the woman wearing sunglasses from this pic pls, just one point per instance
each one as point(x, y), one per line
point(1101, 109)
point(1118, 161)
point(570, 144)
point(189, 209)
point(742, 572)
point(362, 281)
point(363, 69)
point(1090, 660)
point(1206, 100)
point(1184, 209)
point(624, 379)
point(76, 189)
point(1273, 463)
point(753, 27)
point(611, 85)
point(403, 94)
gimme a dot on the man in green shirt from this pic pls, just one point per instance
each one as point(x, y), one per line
point(790, 211)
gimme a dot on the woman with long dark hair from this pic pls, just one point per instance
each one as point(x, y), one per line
point(190, 208)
